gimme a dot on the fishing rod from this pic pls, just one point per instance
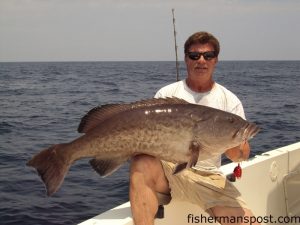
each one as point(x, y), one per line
point(176, 47)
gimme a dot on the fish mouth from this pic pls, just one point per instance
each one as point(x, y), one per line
point(250, 130)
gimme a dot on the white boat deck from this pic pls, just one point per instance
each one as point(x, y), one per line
point(270, 185)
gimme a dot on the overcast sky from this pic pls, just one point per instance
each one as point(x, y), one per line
point(108, 30)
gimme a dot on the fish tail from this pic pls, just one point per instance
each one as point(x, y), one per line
point(52, 166)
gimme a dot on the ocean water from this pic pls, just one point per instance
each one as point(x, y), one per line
point(42, 104)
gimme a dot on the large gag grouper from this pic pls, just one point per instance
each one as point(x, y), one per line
point(170, 129)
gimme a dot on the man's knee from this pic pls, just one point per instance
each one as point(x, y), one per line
point(150, 170)
point(144, 164)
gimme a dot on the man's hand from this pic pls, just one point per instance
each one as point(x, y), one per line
point(239, 153)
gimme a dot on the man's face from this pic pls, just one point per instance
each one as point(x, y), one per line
point(201, 68)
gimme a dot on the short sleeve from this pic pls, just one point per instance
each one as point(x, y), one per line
point(239, 110)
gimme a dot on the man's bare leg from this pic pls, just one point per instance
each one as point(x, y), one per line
point(146, 178)
point(223, 211)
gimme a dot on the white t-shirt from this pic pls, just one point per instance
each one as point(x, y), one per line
point(218, 97)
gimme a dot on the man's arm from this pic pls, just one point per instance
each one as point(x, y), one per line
point(239, 153)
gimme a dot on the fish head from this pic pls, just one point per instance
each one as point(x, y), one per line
point(224, 130)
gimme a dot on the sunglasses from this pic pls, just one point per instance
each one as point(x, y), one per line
point(197, 55)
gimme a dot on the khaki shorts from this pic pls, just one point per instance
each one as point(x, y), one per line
point(202, 188)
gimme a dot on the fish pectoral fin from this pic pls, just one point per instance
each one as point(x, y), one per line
point(194, 153)
point(180, 167)
point(105, 167)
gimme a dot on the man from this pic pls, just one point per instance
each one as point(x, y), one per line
point(149, 175)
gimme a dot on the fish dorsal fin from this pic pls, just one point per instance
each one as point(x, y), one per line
point(99, 114)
